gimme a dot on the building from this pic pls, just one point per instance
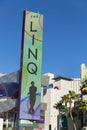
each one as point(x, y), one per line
point(84, 91)
point(83, 71)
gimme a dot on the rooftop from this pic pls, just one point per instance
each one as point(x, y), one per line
point(59, 77)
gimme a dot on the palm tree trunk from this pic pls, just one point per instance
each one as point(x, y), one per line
point(73, 121)
point(58, 121)
point(74, 125)
point(66, 113)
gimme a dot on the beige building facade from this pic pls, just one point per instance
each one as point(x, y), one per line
point(83, 71)
point(61, 86)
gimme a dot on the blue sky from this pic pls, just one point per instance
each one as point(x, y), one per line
point(64, 35)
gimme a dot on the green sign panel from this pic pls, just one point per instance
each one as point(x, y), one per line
point(31, 66)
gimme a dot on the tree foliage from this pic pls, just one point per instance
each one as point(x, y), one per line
point(67, 103)
point(82, 105)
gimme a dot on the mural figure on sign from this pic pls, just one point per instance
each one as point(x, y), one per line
point(32, 92)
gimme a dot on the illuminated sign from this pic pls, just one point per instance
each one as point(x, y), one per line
point(31, 66)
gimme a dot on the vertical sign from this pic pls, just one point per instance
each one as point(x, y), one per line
point(31, 66)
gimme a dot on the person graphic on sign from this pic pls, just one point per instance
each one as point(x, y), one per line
point(32, 92)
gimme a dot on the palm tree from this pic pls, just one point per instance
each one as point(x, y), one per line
point(68, 98)
point(59, 106)
point(65, 100)
point(72, 96)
